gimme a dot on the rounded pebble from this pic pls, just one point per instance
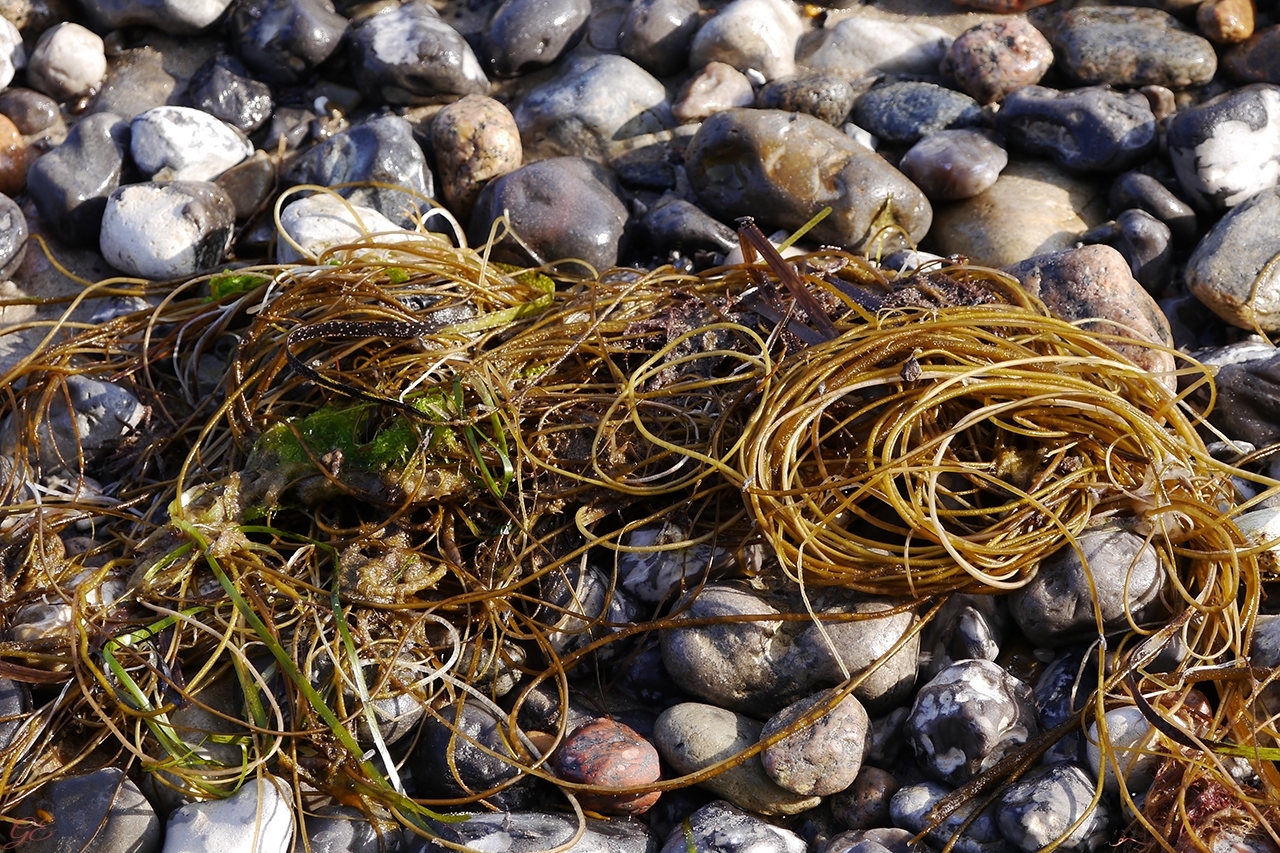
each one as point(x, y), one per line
point(656, 34)
point(1052, 805)
point(860, 47)
point(185, 144)
point(13, 57)
point(865, 803)
point(283, 40)
point(750, 34)
point(718, 827)
point(13, 241)
point(1231, 270)
point(1257, 59)
point(995, 58)
point(1130, 738)
point(223, 88)
point(165, 230)
point(1091, 129)
point(13, 158)
point(824, 756)
point(954, 164)
point(29, 110)
point(525, 35)
point(68, 61)
point(1225, 21)
point(70, 184)
point(1130, 47)
point(1227, 148)
point(318, 222)
point(718, 86)
point(1136, 190)
point(408, 54)
point(441, 752)
point(823, 96)
point(611, 755)
point(903, 113)
point(475, 140)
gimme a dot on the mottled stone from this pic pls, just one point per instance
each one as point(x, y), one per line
point(525, 35)
point(312, 225)
point(283, 40)
point(407, 55)
point(720, 828)
point(859, 47)
point(716, 87)
point(1092, 129)
point(824, 96)
point(68, 61)
point(13, 236)
point(345, 829)
point(182, 17)
point(785, 167)
point(258, 818)
point(534, 832)
point(911, 807)
point(995, 58)
point(750, 34)
point(865, 803)
point(693, 736)
point(656, 34)
point(564, 207)
point(1138, 190)
point(1225, 21)
point(1257, 59)
point(1228, 149)
point(100, 811)
point(1130, 47)
point(185, 144)
point(71, 183)
point(954, 164)
point(609, 754)
point(166, 230)
point(1096, 282)
point(223, 88)
point(13, 56)
point(1131, 739)
point(1232, 269)
point(823, 756)
point(903, 113)
point(475, 140)
point(1040, 808)
point(1033, 208)
point(591, 109)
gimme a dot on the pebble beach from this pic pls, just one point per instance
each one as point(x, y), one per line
point(1117, 164)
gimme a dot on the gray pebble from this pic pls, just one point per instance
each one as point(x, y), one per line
point(656, 34)
point(1130, 47)
point(439, 752)
point(858, 47)
point(718, 827)
point(1227, 149)
point(258, 818)
point(136, 82)
point(1040, 809)
point(717, 86)
point(1132, 742)
point(824, 756)
point(1232, 269)
point(533, 832)
point(15, 697)
point(968, 627)
point(283, 40)
point(865, 803)
point(824, 96)
point(910, 809)
point(1138, 190)
point(173, 16)
point(13, 236)
point(223, 88)
point(954, 164)
point(71, 183)
point(475, 140)
point(655, 576)
point(882, 839)
point(750, 34)
point(903, 113)
point(343, 829)
point(407, 55)
point(1248, 385)
point(101, 811)
point(678, 225)
point(1091, 129)
point(167, 229)
point(525, 35)
point(249, 185)
point(292, 124)
point(185, 144)
point(29, 110)
point(1145, 243)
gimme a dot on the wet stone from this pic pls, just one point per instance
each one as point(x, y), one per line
point(865, 803)
point(407, 55)
point(1039, 809)
point(321, 221)
point(656, 34)
point(823, 96)
point(291, 124)
point(1145, 243)
point(283, 40)
point(256, 819)
point(718, 827)
point(967, 718)
point(1137, 190)
point(716, 87)
point(173, 16)
point(750, 34)
point(1231, 270)
point(1130, 47)
point(564, 207)
point(249, 184)
point(439, 752)
point(954, 164)
point(13, 236)
point(785, 167)
point(910, 809)
point(1225, 21)
point(525, 35)
point(15, 697)
point(102, 811)
point(475, 140)
point(611, 755)
point(71, 183)
point(903, 113)
point(223, 88)
point(591, 109)
point(343, 829)
point(136, 82)
point(676, 225)
point(824, 756)
point(533, 832)
point(165, 230)
point(29, 110)
point(859, 47)
point(1092, 129)
point(995, 58)
point(1227, 149)
point(1130, 737)
point(968, 627)
point(68, 61)
point(1257, 59)
point(692, 736)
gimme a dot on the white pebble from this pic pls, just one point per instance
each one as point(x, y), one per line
point(164, 231)
point(13, 55)
point(256, 819)
point(322, 221)
point(68, 61)
point(185, 144)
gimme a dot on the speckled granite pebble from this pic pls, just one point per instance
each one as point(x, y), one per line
point(475, 140)
point(995, 58)
point(611, 755)
point(1130, 46)
point(823, 757)
point(823, 96)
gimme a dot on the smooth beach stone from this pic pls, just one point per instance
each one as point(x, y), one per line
point(1059, 604)
point(718, 827)
point(995, 58)
point(535, 832)
point(1040, 808)
point(475, 140)
point(1231, 270)
point(100, 414)
point(656, 34)
point(1248, 386)
point(13, 158)
point(1145, 242)
point(564, 207)
point(1225, 21)
point(48, 617)
point(322, 221)
point(68, 61)
point(910, 808)
point(968, 627)
point(954, 164)
point(136, 82)
point(100, 811)
point(13, 236)
point(1130, 47)
point(381, 149)
point(164, 230)
point(1095, 285)
point(292, 124)
point(407, 55)
point(70, 184)
point(865, 803)
point(860, 47)
point(283, 40)
point(181, 17)
point(1131, 738)
point(258, 818)
point(1228, 148)
point(439, 752)
point(883, 839)
point(1141, 191)
point(823, 96)
point(785, 167)
point(1257, 59)
point(13, 56)
point(1033, 208)
point(679, 225)
point(823, 757)
point(692, 736)
point(29, 110)
point(223, 88)
point(185, 144)
point(1092, 129)
point(525, 35)
point(750, 34)
point(611, 755)
point(344, 829)
point(716, 87)
point(249, 185)
point(591, 108)
point(903, 113)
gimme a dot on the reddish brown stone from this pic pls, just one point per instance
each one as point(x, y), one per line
point(992, 59)
point(13, 158)
point(1225, 21)
point(609, 754)
point(1257, 59)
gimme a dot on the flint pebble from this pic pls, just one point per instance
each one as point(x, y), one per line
point(407, 54)
point(656, 34)
point(903, 113)
point(1227, 149)
point(1091, 129)
point(750, 34)
point(716, 87)
point(167, 229)
point(68, 61)
point(283, 40)
point(718, 827)
point(525, 35)
point(185, 144)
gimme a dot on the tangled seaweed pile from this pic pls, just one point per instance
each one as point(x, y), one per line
point(385, 474)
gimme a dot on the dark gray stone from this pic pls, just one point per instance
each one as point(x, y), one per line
point(223, 88)
point(1138, 190)
point(15, 697)
point(343, 829)
point(1061, 691)
point(382, 149)
point(1228, 148)
point(13, 236)
point(656, 34)
point(825, 96)
point(283, 40)
point(1131, 47)
point(439, 752)
point(1039, 809)
point(407, 55)
point(865, 803)
point(525, 35)
point(1145, 243)
point(136, 82)
point(173, 16)
point(1248, 386)
point(910, 809)
point(968, 627)
point(101, 811)
point(1092, 129)
point(675, 224)
point(564, 207)
point(29, 110)
point(1058, 604)
point(718, 827)
point(71, 183)
point(903, 113)
point(292, 124)
point(967, 718)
